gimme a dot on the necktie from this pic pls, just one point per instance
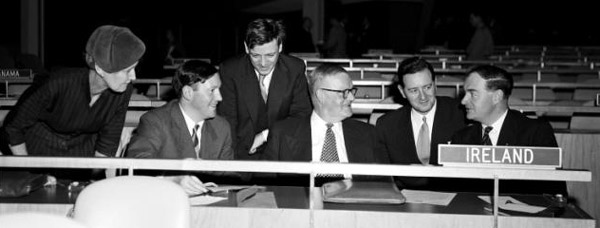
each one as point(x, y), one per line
point(486, 137)
point(329, 153)
point(263, 88)
point(196, 140)
point(424, 144)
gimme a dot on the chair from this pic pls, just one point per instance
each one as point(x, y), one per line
point(36, 219)
point(133, 201)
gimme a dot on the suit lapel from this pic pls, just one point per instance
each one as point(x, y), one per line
point(509, 133)
point(180, 131)
point(299, 142)
point(208, 141)
point(405, 131)
point(250, 89)
point(277, 88)
point(352, 136)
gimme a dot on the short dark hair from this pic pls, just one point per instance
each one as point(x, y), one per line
point(322, 71)
point(264, 30)
point(413, 65)
point(495, 78)
point(191, 72)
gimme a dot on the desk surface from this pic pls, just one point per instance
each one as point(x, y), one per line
point(294, 200)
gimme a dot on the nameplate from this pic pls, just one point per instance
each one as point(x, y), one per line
point(499, 156)
point(15, 73)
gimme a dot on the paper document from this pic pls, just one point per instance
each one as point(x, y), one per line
point(428, 197)
point(205, 200)
point(511, 204)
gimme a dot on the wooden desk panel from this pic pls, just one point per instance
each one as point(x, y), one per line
point(582, 151)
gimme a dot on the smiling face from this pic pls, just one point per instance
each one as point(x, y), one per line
point(419, 90)
point(332, 105)
point(205, 96)
point(478, 100)
point(264, 57)
point(118, 81)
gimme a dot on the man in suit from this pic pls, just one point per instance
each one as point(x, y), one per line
point(188, 127)
point(261, 87)
point(305, 139)
point(487, 89)
point(411, 134)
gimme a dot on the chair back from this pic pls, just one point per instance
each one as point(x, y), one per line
point(133, 201)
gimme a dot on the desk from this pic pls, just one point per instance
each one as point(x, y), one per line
point(582, 151)
point(465, 210)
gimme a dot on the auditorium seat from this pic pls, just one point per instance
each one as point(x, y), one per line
point(133, 201)
point(585, 121)
point(37, 219)
point(585, 94)
point(447, 91)
point(165, 89)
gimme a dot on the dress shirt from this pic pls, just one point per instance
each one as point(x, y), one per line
point(267, 81)
point(416, 120)
point(496, 127)
point(190, 126)
point(318, 128)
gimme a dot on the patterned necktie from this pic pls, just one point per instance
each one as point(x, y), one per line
point(196, 140)
point(329, 153)
point(263, 88)
point(486, 137)
point(424, 144)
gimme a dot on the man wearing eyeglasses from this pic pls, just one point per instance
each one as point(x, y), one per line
point(410, 135)
point(328, 134)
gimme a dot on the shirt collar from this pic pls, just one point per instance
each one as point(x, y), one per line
point(189, 122)
point(496, 126)
point(419, 117)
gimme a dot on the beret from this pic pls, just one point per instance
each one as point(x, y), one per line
point(114, 48)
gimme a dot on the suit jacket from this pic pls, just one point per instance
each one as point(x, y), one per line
point(290, 140)
point(162, 133)
point(395, 134)
point(288, 97)
point(517, 130)
point(396, 140)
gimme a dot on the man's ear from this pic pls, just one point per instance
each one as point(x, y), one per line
point(187, 92)
point(280, 47)
point(497, 96)
point(401, 91)
point(246, 47)
point(99, 70)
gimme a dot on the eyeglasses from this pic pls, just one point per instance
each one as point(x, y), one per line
point(344, 92)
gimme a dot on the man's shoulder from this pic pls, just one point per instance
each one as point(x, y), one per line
point(521, 120)
point(233, 61)
point(220, 122)
point(291, 63)
point(162, 111)
point(360, 125)
point(393, 116)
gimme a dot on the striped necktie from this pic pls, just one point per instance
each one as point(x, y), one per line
point(196, 140)
point(486, 137)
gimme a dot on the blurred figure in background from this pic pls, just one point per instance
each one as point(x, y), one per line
point(481, 45)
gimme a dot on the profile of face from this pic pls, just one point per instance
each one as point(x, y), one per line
point(419, 90)
point(264, 57)
point(478, 100)
point(335, 96)
point(205, 96)
point(119, 80)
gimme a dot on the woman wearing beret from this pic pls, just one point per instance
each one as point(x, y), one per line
point(80, 112)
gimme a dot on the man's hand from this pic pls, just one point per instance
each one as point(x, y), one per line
point(193, 186)
point(259, 139)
